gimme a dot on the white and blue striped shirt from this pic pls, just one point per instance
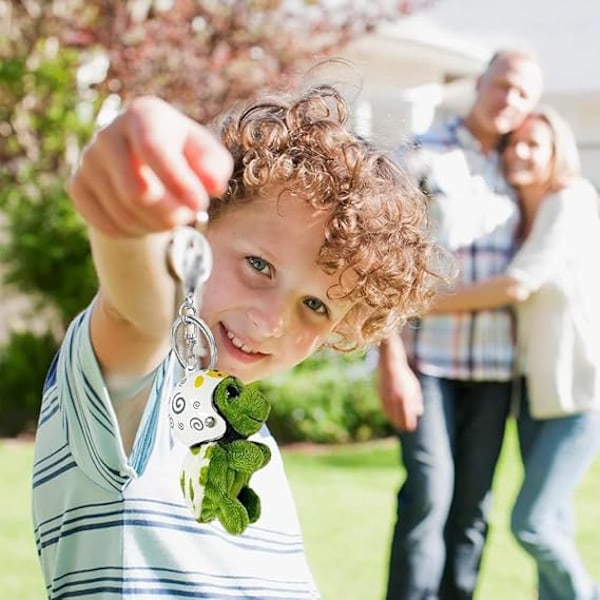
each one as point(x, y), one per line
point(108, 525)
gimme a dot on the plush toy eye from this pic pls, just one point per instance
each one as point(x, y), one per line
point(233, 391)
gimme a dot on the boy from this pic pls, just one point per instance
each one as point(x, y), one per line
point(316, 239)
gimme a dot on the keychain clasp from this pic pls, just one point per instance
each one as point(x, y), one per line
point(190, 262)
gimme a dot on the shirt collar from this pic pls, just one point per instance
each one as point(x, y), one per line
point(467, 140)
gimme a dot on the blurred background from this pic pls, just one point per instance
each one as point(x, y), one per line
point(425, 64)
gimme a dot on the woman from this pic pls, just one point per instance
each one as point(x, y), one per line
point(554, 284)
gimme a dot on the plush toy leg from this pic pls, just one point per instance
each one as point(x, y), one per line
point(215, 481)
point(232, 515)
point(249, 498)
point(244, 456)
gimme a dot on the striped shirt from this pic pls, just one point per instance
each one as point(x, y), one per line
point(108, 525)
point(475, 216)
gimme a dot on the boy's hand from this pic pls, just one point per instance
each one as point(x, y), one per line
point(151, 169)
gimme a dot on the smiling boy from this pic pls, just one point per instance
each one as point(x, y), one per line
point(317, 239)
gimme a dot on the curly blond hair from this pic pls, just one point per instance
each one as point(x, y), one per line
point(377, 236)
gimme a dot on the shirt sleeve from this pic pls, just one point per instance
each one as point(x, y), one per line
point(552, 238)
point(89, 420)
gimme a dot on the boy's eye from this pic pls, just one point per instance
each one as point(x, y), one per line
point(259, 264)
point(316, 305)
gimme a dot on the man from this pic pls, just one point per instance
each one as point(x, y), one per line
point(446, 383)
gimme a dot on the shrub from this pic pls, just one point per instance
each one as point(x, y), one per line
point(329, 398)
point(24, 361)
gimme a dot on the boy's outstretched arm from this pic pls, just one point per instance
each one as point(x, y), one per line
point(149, 171)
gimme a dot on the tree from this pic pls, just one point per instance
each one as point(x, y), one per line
point(205, 55)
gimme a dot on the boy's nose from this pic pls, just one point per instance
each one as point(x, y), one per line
point(268, 321)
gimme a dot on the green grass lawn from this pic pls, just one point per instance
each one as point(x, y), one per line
point(19, 571)
point(346, 499)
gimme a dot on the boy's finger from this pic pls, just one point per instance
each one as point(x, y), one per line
point(167, 213)
point(129, 217)
point(210, 160)
point(90, 209)
point(188, 162)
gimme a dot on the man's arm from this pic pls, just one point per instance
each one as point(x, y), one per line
point(399, 388)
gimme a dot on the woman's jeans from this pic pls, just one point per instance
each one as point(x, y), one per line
point(556, 454)
point(444, 503)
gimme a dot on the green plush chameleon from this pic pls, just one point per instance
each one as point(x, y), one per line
point(213, 413)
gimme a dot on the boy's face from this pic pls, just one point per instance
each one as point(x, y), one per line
point(266, 300)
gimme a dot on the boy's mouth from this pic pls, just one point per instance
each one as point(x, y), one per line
point(238, 347)
point(239, 344)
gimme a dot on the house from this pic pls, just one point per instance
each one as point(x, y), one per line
point(425, 65)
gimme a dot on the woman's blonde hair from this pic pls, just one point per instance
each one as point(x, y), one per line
point(377, 236)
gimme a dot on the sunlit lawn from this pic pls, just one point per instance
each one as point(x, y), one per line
point(346, 501)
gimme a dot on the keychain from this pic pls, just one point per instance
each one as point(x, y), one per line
point(210, 412)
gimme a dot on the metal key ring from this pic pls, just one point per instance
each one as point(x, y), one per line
point(204, 330)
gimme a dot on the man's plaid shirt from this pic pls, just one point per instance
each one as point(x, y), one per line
point(475, 216)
